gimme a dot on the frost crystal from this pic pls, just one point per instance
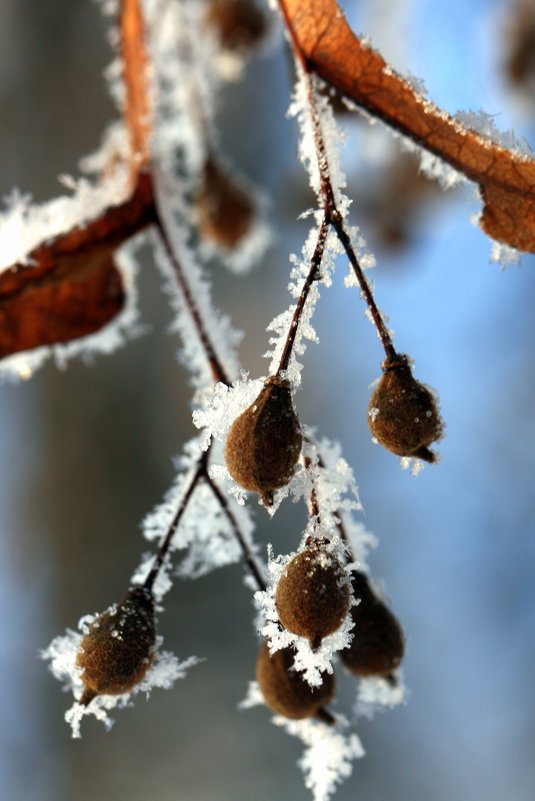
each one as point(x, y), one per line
point(378, 694)
point(329, 754)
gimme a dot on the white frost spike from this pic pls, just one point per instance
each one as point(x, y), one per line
point(504, 255)
point(223, 405)
point(377, 694)
point(23, 226)
point(329, 754)
point(62, 651)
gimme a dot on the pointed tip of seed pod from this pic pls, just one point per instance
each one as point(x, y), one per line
point(325, 716)
point(267, 498)
point(425, 454)
point(87, 696)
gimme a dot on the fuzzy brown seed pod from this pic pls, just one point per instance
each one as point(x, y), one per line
point(378, 644)
point(223, 209)
point(239, 24)
point(312, 596)
point(403, 414)
point(284, 689)
point(264, 442)
point(117, 651)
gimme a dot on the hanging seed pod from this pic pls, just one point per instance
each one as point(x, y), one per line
point(264, 443)
point(284, 689)
point(378, 644)
point(312, 596)
point(117, 651)
point(222, 208)
point(239, 24)
point(403, 414)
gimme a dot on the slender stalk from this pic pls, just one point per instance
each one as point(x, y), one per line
point(335, 218)
point(196, 474)
point(248, 557)
point(331, 213)
point(218, 371)
point(314, 274)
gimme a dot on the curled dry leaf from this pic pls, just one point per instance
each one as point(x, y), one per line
point(323, 39)
point(69, 286)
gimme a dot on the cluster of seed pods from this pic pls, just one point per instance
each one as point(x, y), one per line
point(316, 592)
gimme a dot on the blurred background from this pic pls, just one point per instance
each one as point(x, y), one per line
point(86, 453)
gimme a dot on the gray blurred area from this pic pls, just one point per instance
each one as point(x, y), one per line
point(85, 453)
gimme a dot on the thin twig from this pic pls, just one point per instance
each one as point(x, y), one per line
point(248, 557)
point(331, 212)
point(196, 474)
point(218, 371)
point(314, 274)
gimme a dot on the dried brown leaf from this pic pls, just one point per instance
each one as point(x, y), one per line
point(326, 43)
point(69, 286)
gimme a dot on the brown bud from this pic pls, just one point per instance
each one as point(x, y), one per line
point(312, 596)
point(264, 442)
point(239, 24)
point(284, 689)
point(117, 650)
point(403, 414)
point(378, 644)
point(223, 210)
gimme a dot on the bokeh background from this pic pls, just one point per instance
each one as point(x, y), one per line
point(86, 453)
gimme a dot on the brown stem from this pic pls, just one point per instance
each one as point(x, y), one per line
point(248, 557)
point(382, 330)
point(313, 275)
point(332, 214)
point(197, 473)
point(218, 371)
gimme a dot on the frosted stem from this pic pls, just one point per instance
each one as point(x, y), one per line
point(218, 371)
point(197, 473)
point(331, 212)
point(248, 557)
point(314, 274)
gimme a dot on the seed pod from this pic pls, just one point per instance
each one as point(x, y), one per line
point(403, 414)
point(222, 208)
point(239, 24)
point(378, 644)
point(117, 650)
point(312, 596)
point(284, 689)
point(264, 443)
